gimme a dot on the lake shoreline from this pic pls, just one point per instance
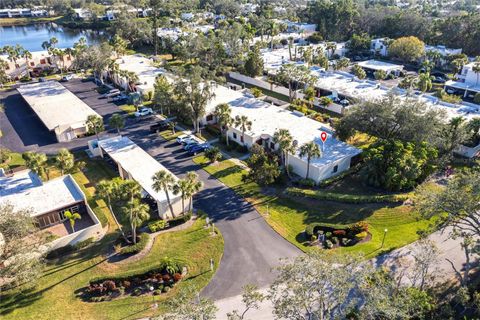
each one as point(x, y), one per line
point(9, 22)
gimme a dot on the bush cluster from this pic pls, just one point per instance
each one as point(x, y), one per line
point(336, 234)
point(161, 278)
point(158, 225)
point(137, 247)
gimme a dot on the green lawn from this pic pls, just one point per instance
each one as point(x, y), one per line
point(290, 215)
point(167, 134)
point(128, 108)
point(15, 161)
point(55, 295)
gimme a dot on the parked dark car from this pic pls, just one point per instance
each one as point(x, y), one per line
point(198, 149)
point(159, 126)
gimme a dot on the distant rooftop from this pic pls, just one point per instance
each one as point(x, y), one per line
point(55, 105)
point(24, 190)
point(380, 65)
point(143, 68)
point(137, 162)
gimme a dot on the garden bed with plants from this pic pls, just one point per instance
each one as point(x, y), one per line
point(124, 248)
point(155, 281)
point(159, 225)
point(330, 236)
point(347, 198)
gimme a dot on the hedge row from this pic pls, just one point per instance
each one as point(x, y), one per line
point(347, 198)
point(178, 265)
point(137, 247)
point(327, 182)
point(158, 225)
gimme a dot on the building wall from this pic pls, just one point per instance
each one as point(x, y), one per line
point(164, 209)
point(316, 173)
point(95, 231)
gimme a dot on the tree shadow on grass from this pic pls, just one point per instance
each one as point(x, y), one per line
point(26, 298)
point(227, 171)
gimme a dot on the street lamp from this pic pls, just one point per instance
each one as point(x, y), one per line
point(384, 235)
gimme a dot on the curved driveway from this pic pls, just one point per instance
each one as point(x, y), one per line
point(252, 248)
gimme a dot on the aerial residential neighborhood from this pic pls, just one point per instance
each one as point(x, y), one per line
point(254, 159)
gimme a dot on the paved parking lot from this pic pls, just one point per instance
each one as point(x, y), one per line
point(23, 131)
point(86, 91)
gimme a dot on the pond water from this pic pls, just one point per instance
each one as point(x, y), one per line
point(32, 36)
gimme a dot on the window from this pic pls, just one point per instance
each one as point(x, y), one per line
point(73, 209)
point(241, 138)
point(32, 64)
point(209, 117)
point(17, 66)
point(42, 61)
point(335, 169)
point(69, 58)
point(234, 135)
point(272, 145)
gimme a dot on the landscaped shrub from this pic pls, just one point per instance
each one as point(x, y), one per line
point(306, 183)
point(158, 225)
point(339, 233)
point(328, 235)
point(162, 276)
point(361, 235)
point(242, 148)
point(136, 248)
point(177, 277)
point(340, 176)
point(179, 220)
point(315, 227)
point(358, 227)
point(165, 289)
point(334, 240)
point(328, 244)
point(345, 242)
point(213, 130)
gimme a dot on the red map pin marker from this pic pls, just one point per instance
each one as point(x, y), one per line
point(323, 136)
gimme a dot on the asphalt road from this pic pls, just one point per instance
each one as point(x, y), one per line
point(252, 248)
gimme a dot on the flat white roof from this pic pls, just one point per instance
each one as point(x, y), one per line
point(24, 190)
point(137, 162)
point(380, 65)
point(55, 105)
point(267, 118)
point(143, 68)
point(463, 85)
point(368, 90)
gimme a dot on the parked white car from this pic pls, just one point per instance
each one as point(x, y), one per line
point(182, 138)
point(142, 112)
point(111, 93)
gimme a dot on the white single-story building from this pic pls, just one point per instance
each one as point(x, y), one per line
point(267, 119)
point(47, 202)
point(61, 111)
point(143, 68)
point(40, 61)
point(136, 164)
point(376, 65)
point(468, 83)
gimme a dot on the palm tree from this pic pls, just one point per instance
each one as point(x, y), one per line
point(69, 52)
point(72, 217)
point(331, 46)
point(434, 56)
point(195, 185)
point(36, 162)
point(95, 123)
point(171, 125)
point(137, 214)
point(273, 30)
point(132, 79)
point(182, 186)
point(244, 124)
point(117, 121)
point(105, 190)
point(64, 160)
point(61, 55)
point(224, 118)
point(27, 55)
point(53, 42)
point(310, 150)
point(286, 145)
point(119, 45)
point(13, 53)
point(290, 44)
point(164, 180)
point(476, 68)
point(425, 81)
point(46, 45)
